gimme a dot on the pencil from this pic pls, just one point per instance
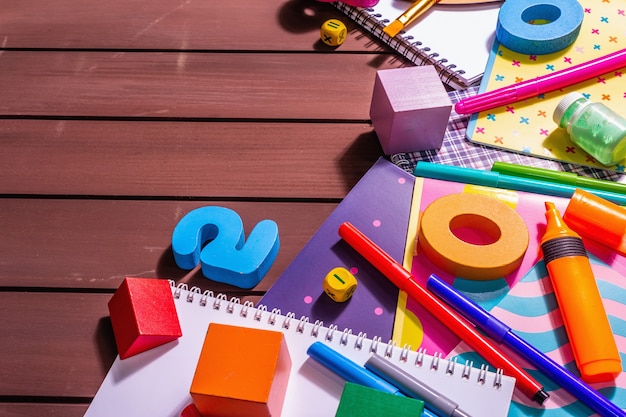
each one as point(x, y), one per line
point(412, 13)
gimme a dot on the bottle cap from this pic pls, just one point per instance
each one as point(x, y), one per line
point(563, 105)
point(598, 219)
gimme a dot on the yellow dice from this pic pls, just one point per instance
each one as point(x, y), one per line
point(339, 284)
point(333, 32)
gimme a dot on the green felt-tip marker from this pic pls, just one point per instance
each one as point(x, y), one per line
point(560, 177)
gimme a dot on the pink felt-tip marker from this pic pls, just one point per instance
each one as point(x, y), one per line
point(543, 84)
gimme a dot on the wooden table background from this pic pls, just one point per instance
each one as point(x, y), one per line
point(117, 118)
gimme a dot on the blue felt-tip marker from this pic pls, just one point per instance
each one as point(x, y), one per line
point(352, 371)
point(347, 369)
point(503, 334)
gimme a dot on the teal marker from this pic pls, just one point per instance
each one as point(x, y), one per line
point(561, 177)
point(508, 182)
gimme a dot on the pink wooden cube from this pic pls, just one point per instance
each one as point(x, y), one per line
point(410, 109)
point(143, 315)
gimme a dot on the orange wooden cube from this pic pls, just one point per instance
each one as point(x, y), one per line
point(143, 315)
point(241, 372)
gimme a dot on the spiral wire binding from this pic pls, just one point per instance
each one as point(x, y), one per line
point(434, 365)
point(482, 374)
point(330, 332)
point(451, 365)
point(404, 353)
point(389, 349)
point(275, 312)
point(419, 359)
point(344, 337)
point(288, 317)
point(412, 50)
point(376, 345)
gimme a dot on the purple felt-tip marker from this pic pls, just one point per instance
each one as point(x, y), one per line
point(503, 334)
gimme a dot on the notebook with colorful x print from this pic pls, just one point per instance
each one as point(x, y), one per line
point(527, 126)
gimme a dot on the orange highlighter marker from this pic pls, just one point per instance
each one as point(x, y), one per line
point(584, 317)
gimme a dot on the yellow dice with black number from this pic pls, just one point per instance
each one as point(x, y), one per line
point(333, 32)
point(339, 284)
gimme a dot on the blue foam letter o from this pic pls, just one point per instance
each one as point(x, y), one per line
point(564, 19)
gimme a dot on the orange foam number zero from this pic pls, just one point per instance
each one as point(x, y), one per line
point(580, 304)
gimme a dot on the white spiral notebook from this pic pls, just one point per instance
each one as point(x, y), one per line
point(455, 38)
point(156, 383)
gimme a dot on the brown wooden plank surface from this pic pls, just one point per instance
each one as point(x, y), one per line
point(96, 243)
point(203, 159)
point(119, 117)
point(42, 410)
point(54, 344)
point(287, 25)
point(188, 85)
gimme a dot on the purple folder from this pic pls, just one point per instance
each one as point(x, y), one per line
point(379, 205)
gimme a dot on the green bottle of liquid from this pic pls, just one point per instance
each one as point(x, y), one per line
point(598, 130)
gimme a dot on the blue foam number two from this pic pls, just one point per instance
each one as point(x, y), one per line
point(227, 257)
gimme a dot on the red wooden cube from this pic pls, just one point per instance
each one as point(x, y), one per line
point(143, 315)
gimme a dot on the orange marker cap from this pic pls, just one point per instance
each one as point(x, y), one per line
point(598, 219)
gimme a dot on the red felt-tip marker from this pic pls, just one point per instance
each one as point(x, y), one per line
point(403, 279)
